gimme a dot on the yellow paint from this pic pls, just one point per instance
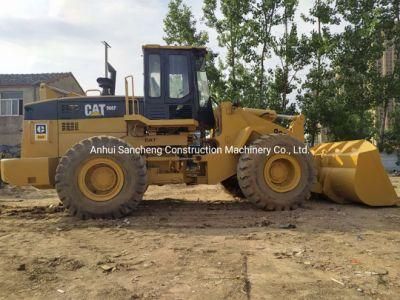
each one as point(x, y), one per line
point(352, 171)
point(32, 146)
point(100, 179)
point(158, 140)
point(282, 173)
point(29, 171)
point(237, 126)
point(87, 128)
point(191, 123)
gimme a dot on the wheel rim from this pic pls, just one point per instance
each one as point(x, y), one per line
point(282, 173)
point(100, 179)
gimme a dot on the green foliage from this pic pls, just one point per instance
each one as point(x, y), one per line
point(259, 44)
point(244, 30)
point(342, 87)
point(180, 30)
point(319, 86)
point(291, 54)
point(363, 87)
point(390, 81)
point(232, 28)
point(180, 26)
point(215, 76)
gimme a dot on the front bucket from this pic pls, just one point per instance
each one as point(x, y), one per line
point(352, 171)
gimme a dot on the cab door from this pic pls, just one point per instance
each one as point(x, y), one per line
point(169, 84)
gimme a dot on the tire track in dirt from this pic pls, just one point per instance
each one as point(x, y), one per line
point(246, 280)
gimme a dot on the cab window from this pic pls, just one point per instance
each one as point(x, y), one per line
point(178, 77)
point(154, 75)
point(202, 82)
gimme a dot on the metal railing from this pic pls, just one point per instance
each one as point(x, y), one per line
point(130, 106)
point(92, 90)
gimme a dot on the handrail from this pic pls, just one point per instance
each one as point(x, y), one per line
point(92, 90)
point(287, 117)
point(134, 101)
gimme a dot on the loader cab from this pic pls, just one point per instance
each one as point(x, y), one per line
point(175, 84)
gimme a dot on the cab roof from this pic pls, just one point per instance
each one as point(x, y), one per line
point(155, 46)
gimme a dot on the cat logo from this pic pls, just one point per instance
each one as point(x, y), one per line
point(94, 110)
point(41, 132)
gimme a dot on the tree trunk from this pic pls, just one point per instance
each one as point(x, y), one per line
point(318, 90)
point(383, 123)
point(232, 61)
point(312, 142)
point(267, 26)
point(286, 67)
point(261, 83)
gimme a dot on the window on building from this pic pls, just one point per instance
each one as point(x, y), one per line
point(178, 76)
point(10, 103)
point(154, 75)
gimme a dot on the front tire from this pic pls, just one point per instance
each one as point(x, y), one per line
point(277, 181)
point(94, 185)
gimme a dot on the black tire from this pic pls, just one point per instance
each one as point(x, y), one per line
point(231, 186)
point(131, 190)
point(250, 174)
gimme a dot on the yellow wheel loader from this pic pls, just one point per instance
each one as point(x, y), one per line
point(101, 152)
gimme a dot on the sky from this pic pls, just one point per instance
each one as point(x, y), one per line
point(39, 36)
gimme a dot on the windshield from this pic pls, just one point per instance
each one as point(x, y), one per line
point(202, 82)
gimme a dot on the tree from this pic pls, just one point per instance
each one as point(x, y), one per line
point(354, 61)
point(395, 38)
point(319, 89)
point(231, 27)
point(180, 30)
point(291, 56)
point(180, 26)
point(392, 141)
point(259, 45)
point(390, 75)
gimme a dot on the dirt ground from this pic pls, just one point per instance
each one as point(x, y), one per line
point(197, 243)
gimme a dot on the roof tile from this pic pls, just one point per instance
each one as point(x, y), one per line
point(30, 79)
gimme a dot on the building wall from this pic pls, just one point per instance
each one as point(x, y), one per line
point(390, 161)
point(386, 66)
point(29, 94)
point(10, 130)
point(11, 127)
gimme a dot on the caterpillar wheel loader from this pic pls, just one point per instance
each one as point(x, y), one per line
point(101, 152)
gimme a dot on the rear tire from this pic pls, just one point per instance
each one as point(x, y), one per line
point(277, 181)
point(94, 185)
